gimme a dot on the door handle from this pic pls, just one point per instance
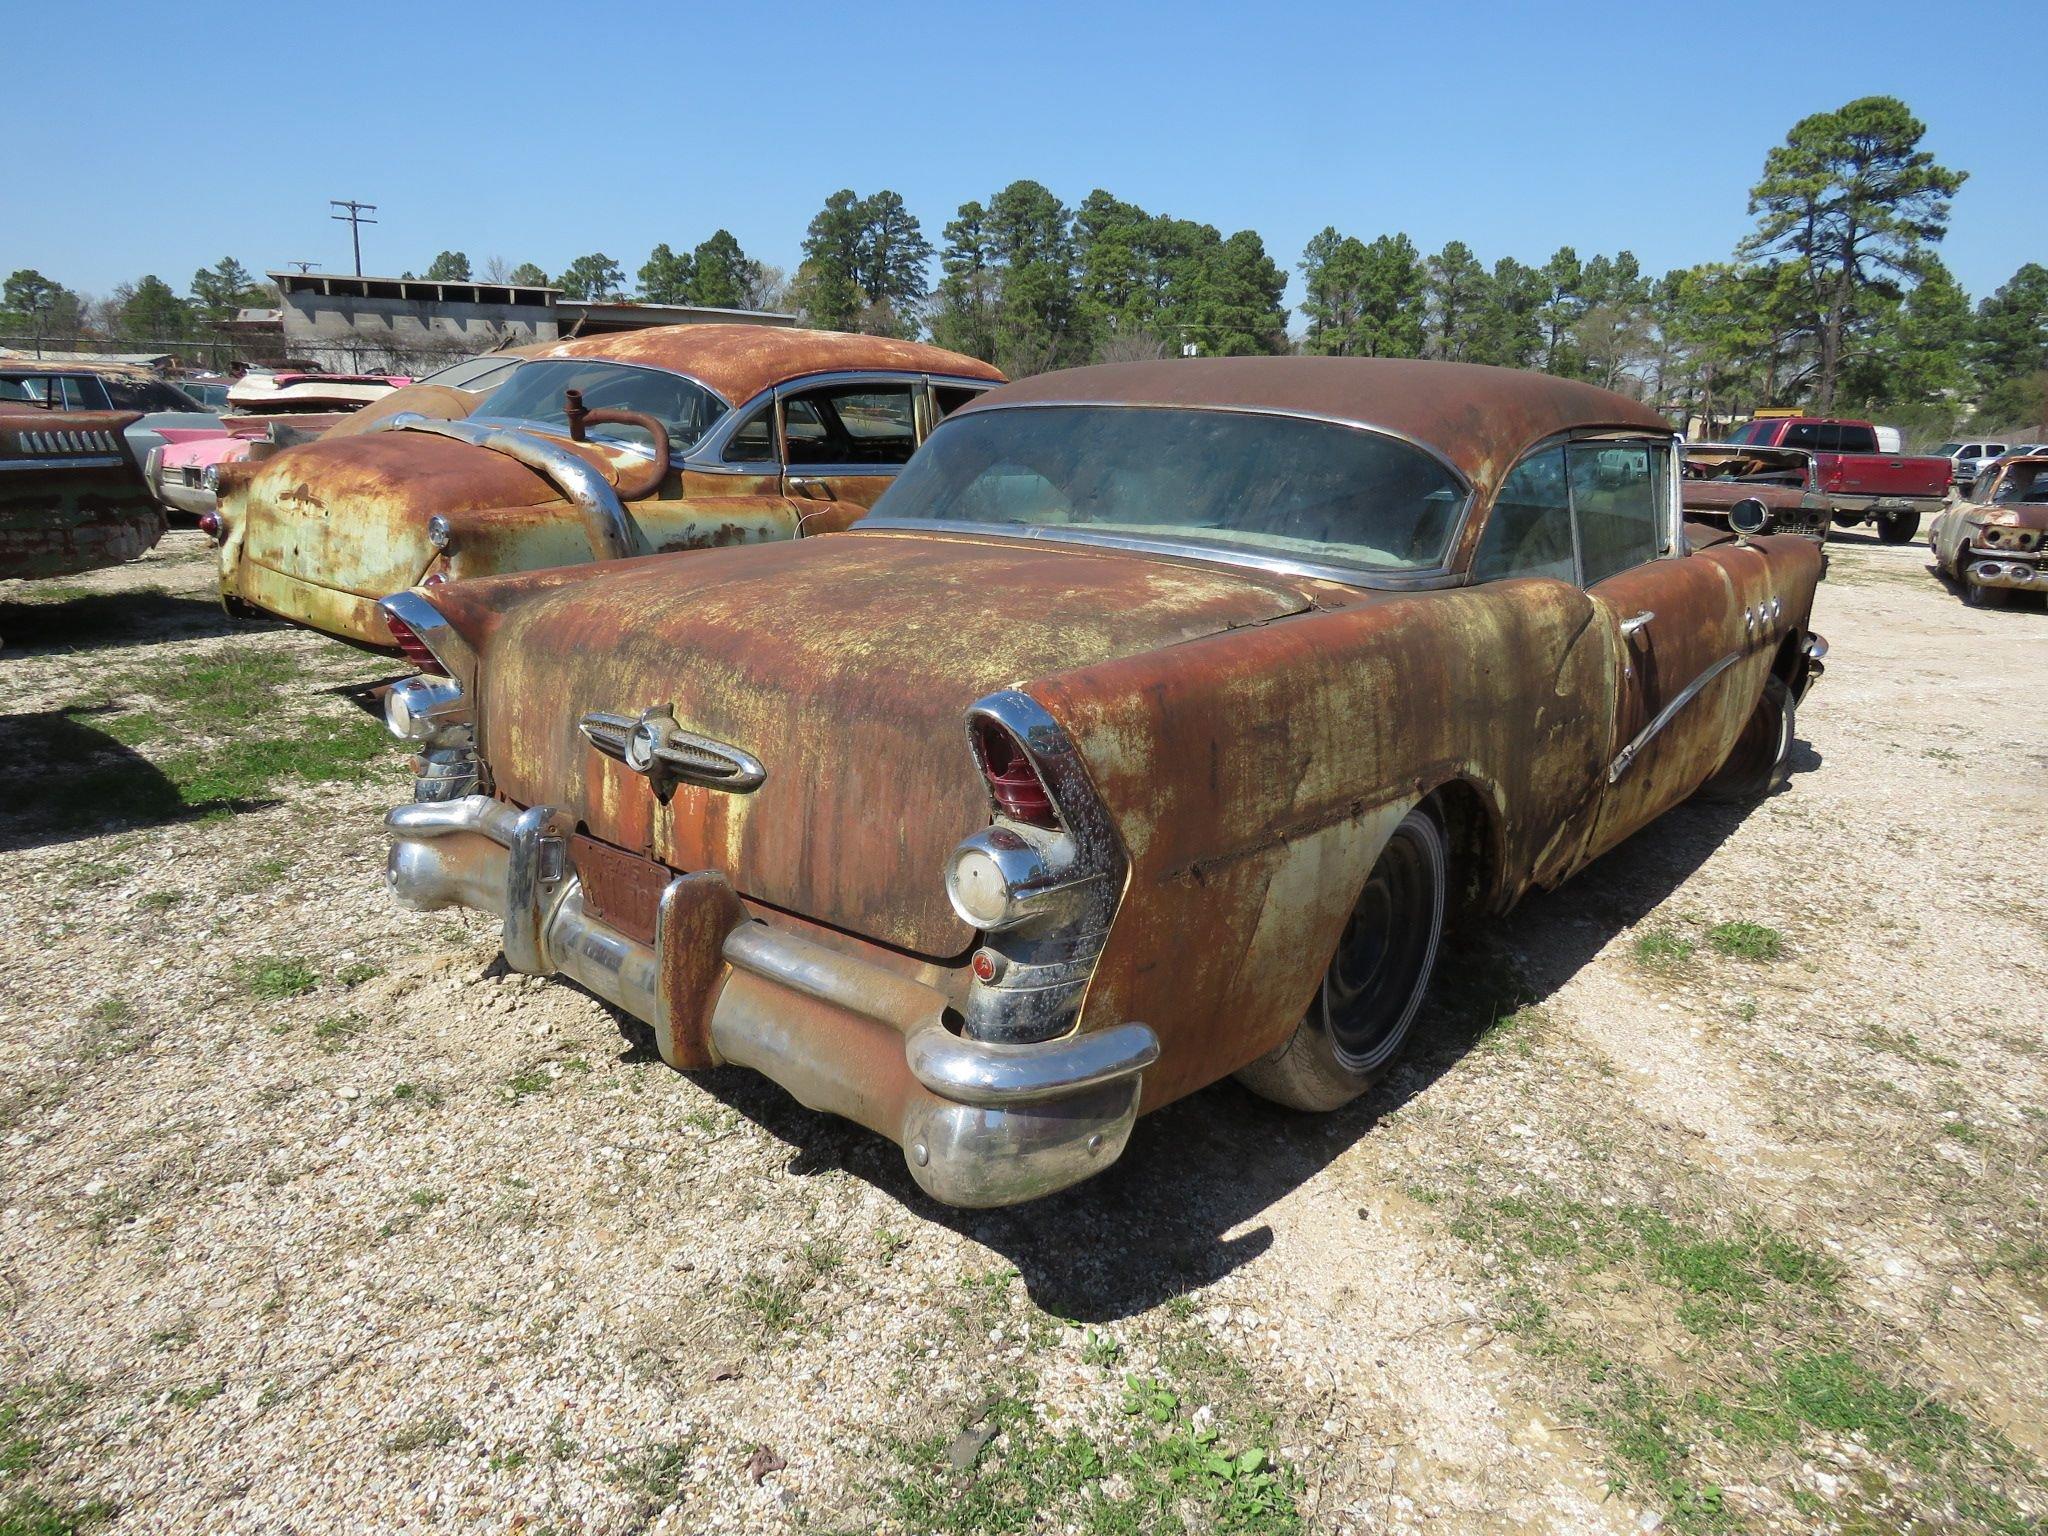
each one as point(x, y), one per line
point(1631, 627)
point(814, 490)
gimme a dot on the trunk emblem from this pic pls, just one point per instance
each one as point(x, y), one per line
point(654, 745)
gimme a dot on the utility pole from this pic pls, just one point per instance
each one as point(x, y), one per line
point(355, 221)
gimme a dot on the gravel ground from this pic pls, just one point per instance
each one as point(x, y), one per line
point(1713, 1199)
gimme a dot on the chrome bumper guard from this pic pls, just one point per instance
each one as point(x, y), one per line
point(980, 1124)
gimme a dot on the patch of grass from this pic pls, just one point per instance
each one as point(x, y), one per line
point(529, 1081)
point(1746, 941)
point(273, 978)
point(339, 1031)
point(1963, 1131)
point(1662, 948)
point(354, 975)
point(1170, 1473)
point(112, 1030)
point(159, 901)
point(86, 875)
point(1902, 1043)
point(655, 1476)
point(192, 1397)
point(426, 1199)
point(419, 1094)
point(773, 1303)
point(216, 692)
point(426, 1431)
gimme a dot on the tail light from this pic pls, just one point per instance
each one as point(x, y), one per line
point(1012, 779)
point(209, 524)
point(412, 647)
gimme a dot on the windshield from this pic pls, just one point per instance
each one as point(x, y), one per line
point(1274, 486)
point(1944, 450)
point(534, 394)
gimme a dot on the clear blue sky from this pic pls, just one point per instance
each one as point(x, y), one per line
point(149, 138)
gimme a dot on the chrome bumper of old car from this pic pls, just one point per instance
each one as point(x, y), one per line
point(980, 1124)
point(2019, 573)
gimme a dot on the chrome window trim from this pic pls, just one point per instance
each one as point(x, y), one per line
point(705, 454)
point(1672, 531)
point(1366, 577)
point(554, 430)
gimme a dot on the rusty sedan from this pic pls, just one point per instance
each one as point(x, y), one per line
point(1149, 731)
point(1991, 541)
point(674, 438)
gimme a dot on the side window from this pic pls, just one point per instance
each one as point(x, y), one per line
point(1854, 439)
point(1804, 434)
point(754, 443)
point(84, 394)
point(861, 424)
point(950, 397)
point(1530, 530)
point(1618, 498)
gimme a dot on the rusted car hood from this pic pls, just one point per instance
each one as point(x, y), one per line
point(351, 512)
point(2026, 515)
point(845, 665)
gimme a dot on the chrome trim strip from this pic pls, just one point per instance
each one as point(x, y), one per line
point(612, 534)
point(435, 632)
point(1667, 714)
point(108, 461)
point(1433, 579)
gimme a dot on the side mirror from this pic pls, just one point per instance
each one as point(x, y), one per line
point(1749, 516)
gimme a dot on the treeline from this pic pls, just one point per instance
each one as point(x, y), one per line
point(1835, 299)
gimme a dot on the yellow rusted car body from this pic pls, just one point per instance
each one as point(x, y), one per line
point(769, 434)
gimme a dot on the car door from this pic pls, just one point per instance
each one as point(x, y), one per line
point(843, 441)
point(1674, 621)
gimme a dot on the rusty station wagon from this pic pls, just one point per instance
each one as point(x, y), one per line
point(1148, 732)
point(674, 438)
point(1991, 542)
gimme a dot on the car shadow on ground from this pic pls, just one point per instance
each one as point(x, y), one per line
point(61, 780)
point(1181, 1208)
point(149, 616)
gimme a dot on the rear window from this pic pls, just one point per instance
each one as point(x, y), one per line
point(149, 396)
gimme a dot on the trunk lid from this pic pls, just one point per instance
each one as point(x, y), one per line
point(352, 513)
point(845, 665)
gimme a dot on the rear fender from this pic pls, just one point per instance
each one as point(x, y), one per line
point(1255, 775)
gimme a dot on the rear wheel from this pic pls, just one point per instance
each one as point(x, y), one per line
point(1760, 762)
point(1897, 527)
point(1976, 596)
point(1375, 982)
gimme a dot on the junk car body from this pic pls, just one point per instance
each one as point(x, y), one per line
point(1146, 733)
point(673, 438)
point(1861, 481)
point(185, 472)
point(1991, 542)
point(1717, 477)
point(71, 495)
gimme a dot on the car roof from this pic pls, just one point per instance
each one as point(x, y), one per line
point(1478, 419)
point(737, 362)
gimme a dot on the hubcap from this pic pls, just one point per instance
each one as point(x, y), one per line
point(1375, 979)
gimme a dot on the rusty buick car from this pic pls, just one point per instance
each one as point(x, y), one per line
point(1149, 731)
point(1780, 485)
point(1990, 542)
point(676, 438)
point(72, 497)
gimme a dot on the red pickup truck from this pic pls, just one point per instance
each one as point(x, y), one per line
point(1858, 481)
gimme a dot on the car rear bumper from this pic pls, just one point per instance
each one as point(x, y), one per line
point(980, 1124)
point(2018, 573)
point(345, 615)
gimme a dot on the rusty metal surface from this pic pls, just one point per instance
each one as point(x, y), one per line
point(737, 362)
point(319, 534)
point(437, 402)
point(59, 518)
point(814, 657)
point(1253, 737)
point(1480, 419)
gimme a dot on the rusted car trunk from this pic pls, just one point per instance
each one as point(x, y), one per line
point(308, 545)
point(71, 496)
point(807, 658)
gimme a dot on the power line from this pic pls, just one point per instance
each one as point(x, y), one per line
point(355, 221)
